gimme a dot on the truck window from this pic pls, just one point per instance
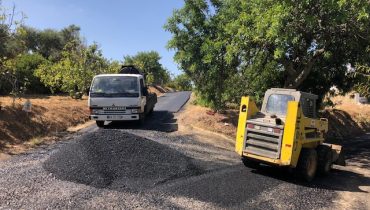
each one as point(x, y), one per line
point(278, 103)
point(114, 86)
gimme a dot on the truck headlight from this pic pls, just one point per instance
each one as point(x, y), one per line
point(95, 111)
point(134, 111)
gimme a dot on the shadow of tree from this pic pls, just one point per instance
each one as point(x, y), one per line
point(338, 180)
point(231, 116)
point(342, 125)
point(18, 126)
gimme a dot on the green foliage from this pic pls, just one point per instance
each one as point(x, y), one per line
point(149, 62)
point(49, 42)
point(24, 66)
point(75, 70)
point(235, 47)
point(44, 61)
point(362, 80)
point(181, 82)
point(200, 45)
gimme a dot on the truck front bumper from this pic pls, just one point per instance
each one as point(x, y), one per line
point(126, 117)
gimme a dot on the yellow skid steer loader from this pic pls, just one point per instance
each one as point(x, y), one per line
point(286, 132)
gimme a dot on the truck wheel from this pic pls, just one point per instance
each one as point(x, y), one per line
point(151, 110)
point(324, 159)
point(141, 119)
point(250, 163)
point(99, 123)
point(307, 164)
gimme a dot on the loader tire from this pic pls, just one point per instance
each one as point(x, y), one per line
point(250, 163)
point(324, 160)
point(100, 123)
point(307, 164)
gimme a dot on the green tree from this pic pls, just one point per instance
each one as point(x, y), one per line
point(75, 70)
point(149, 62)
point(236, 47)
point(200, 43)
point(49, 42)
point(181, 82)
point(362, 80)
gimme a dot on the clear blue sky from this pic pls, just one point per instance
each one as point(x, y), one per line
point(120, 27)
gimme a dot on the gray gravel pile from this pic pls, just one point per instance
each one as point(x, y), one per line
point(116, 159)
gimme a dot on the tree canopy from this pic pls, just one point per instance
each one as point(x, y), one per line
point(149, 63)
point(234, 47)
point(58, 61)
point(181, 82)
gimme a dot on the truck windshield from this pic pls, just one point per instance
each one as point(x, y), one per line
point(277, 103)
point(114, 86)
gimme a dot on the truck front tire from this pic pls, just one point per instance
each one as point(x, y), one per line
point(100, 123)
point(141, 119)
point(307, 164)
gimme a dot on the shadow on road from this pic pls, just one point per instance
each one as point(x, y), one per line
point(338, 180)
point(163, 121)
point(357, 152)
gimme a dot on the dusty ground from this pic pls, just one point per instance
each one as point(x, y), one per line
point(202, 118)
point(159, 90)
point(129, 167)
point(346, 119)
point(50, 117)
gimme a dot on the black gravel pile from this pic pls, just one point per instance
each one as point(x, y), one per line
point(117, 160)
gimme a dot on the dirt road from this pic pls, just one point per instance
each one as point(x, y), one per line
point(163, 165)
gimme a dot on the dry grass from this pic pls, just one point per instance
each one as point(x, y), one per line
point(49, 116)
point(159, 90)
point(201, 117)
point(345, 120)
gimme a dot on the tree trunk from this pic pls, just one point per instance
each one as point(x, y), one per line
point(296, 77)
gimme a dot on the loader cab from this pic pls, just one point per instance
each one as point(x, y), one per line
point(276, 100)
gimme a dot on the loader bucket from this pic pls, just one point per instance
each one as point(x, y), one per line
point(338, 155)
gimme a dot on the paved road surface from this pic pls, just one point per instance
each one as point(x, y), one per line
point(172, 102)
point(117, 167)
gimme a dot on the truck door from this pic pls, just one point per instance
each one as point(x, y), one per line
point(143, 92)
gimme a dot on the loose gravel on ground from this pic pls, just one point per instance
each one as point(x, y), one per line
point(154, 167)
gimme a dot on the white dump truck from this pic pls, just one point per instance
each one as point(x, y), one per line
point(120, 97)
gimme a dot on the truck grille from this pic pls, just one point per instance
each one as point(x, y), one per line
point(114, 112)
point(263, 143)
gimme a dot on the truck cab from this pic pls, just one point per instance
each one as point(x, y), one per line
point(119, 97)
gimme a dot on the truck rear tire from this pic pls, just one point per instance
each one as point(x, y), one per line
point(250, 163)
point(307, 164)
point(151, 110)
point(324, 159)
point(100, 123)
